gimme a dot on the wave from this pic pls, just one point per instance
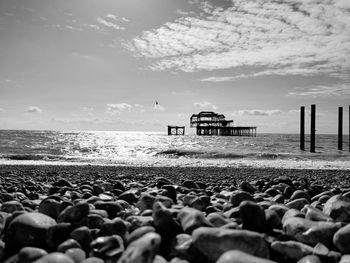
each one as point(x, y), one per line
point(31, 157)
point(229, 155)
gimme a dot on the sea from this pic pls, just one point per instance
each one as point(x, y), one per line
point(159, 149)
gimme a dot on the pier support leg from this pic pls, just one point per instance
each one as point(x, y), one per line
point(302, 128)
point(340, 128)
point(313, 128)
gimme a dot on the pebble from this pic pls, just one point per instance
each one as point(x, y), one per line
point(213, 242)
point(236, 256)
point(28, 229)
point(124, 219)
point(338, 208)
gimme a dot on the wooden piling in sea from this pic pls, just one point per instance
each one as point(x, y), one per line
point(302, 128)
point(340, 128)
point(313, 128)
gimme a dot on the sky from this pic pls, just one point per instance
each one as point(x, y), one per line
point(103, 64)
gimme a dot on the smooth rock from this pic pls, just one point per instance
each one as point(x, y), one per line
point(108, 248)
point(11, 206)
point(341, 239)
point(55, 257)
point(82, 235)
point(338, 208)
point(139, 232)
point(236, 256)
point(345, 259)
point(112, 208)
point(115, 226)
point(30, 254)
point(253, 216)
point(77, 254)
point(314, 214)
point(292, 249)
point(310, 232)
point(239, 196)
point(310, 259)
point(69, 243)
point(143, 249)
point(28, 229)
point(191, 219)
point(50, 207)
point(298, 204)
point(75, 213)
point(213, 242)
point(93, 260)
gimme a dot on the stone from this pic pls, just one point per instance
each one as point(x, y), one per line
point(299, 194)
point(62, 182)
point(273, 220)
point(112, 208)
point(30, 254)
point(55, 257)
point(314, 214)
point(108, 248)
point(239, 196)
point(3, 219)
point(236, 256)
point(191, 219)
point(253, 216)
point(11, 206)
point(145, 202)
point(57, 234)
point(93, 260)
point(310, 259)
point(143, 249)
point(69, 243)
point(292, 213)
point(298, 204)
point(75, 213)
point(50, 207)
point(139, 232)
point(113, 227)
point(28, 229)
point(128, 197)
point(292, 249)
point(217, 220)
point(345, 259)
point(338, 208)
point(82, 235)
point(77, 254)
point(247, 187)
point(341, 239)
point(310, 232)
point(213, 242)
point(280, 209)
point(139, 221)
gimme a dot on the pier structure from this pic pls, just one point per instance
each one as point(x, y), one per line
point(176, 130)
point(211, 123)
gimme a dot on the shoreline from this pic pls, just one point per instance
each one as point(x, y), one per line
point(177, 174)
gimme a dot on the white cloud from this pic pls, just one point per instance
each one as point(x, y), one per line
point(118, 108)
point(2, 110)
point(108, 24)
point(287, 37)
point(257, 112)
point(33, 109)
point(205, 105)
point(322, 91)
point(158, 107)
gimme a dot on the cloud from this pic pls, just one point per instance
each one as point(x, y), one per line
point(205, 105)
point(118, 108)
point(108, 24)
point(322, 91)
point(158, 107)
point(287, 37)
point(2, 110)
point(33, 109)
point(257, 112)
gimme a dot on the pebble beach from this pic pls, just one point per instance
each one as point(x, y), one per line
point(93, 213)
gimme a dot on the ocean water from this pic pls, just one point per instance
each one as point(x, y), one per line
point(159, 149)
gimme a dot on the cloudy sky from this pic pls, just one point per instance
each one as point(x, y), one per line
point(102, 64)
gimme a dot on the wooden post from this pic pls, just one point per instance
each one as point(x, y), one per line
point(302, 128)
point(340, 128)
point(313, 128)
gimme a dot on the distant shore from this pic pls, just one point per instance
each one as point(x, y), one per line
point(50, 173)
